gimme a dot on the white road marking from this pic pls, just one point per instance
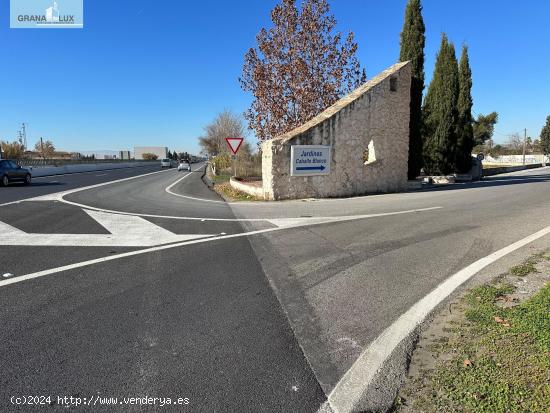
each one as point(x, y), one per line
point(202, 219)
point(129, 225)
point(348, 391)
point(125, 231)
point(274, 221)
point(6, 229)
point(93, 240)
point(168, 189)
point(291, 222)
point(57, 196)
point(180, 244)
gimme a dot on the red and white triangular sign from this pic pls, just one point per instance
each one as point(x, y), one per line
point(234, 144)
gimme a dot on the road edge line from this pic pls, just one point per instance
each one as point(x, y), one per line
point(348, 393)
point(168, 189)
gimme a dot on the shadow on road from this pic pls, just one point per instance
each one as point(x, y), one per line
point(490, 182)
point(21, 184)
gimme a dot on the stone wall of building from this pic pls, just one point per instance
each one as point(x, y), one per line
point(368, 131)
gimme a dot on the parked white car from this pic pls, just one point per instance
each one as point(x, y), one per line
point(184, 166)
point(166, 163)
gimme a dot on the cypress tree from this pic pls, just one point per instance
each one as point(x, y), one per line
point(465, 132)
point(412, 49)
point(363, 79)
point(545, 137)
point(440, 114)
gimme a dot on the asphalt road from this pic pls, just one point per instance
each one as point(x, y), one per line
point(344, 283)
point(56, 183)
point(199, 322)
point(237, 307)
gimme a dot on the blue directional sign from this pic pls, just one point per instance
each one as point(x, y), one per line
point(309, 160)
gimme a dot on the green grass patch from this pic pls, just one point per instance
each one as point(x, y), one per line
point(527, 267)
point(221, 178)
point(228, 192)
point(499, 358)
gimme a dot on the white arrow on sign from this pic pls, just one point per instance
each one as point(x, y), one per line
point(125, 231)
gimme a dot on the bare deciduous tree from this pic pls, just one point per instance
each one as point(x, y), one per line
point(515, 141)
point(45, 148)
point(300, 68)
point(226, 125)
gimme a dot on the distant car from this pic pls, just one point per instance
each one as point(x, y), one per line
point(10, 171)
point(166, 163)
point(184, 166)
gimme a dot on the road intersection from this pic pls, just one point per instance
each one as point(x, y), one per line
point(153, 285)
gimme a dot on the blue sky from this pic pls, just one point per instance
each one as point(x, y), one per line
point(154, 73)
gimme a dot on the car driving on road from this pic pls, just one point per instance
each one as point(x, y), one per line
point(166, 163)
point(10, 171)
point(184, 166)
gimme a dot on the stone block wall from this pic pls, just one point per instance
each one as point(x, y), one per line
point(369, 134)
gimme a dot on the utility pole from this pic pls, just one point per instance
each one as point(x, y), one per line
point(524, 144)
point(42, 147)
point(24, 129)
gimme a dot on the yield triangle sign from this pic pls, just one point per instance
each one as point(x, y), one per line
point(234, 144)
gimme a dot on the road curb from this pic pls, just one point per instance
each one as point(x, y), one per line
point(206, 179)
point(210, 184)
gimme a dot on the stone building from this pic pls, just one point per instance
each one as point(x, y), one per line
point(367, 133)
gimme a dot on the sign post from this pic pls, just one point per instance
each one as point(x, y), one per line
point(234, 146)
point(309, 160)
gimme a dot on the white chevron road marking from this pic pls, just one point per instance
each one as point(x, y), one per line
point(6, 229)
point(128, 225)
point(157, 248)
point(125, 231)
